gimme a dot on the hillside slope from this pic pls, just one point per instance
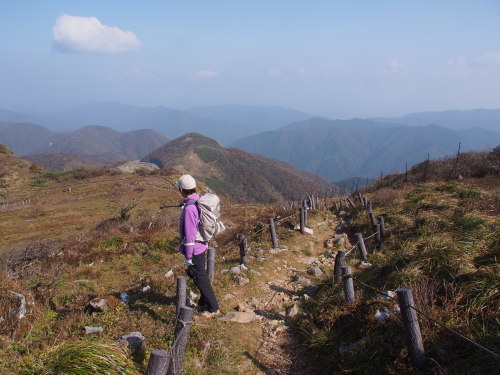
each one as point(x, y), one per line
point(343, 148)
point(240, 175)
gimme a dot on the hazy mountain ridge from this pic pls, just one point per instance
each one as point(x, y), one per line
point(89, 141)
point(225, 123)
point(361, 147)
point(453, 119)
point(241, 176)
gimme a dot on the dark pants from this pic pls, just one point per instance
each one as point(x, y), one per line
point(200, 278)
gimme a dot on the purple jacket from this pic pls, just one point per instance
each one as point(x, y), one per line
point(188, 225)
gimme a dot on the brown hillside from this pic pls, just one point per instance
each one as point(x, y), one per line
point(242, 176)
point(61, 161)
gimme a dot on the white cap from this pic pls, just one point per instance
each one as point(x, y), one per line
point(186, 182)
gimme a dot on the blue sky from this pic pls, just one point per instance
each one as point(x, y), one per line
point(340, 58)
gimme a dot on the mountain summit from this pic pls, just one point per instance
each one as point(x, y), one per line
point(238, 174)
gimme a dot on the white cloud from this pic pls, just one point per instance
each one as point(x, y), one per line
point(489, 58)
point(89, 35)
point(207, 74)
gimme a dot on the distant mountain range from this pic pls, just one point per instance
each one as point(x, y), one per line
point(225, 123)
point(476, 118)
point(241, 176)
point(338, 149)
point(90, 141)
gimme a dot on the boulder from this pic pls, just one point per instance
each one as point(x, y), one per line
point(239, 316)
point(134, 341)
point(315, 271)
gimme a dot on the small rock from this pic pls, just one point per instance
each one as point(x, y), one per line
point(306, 297)
point(134, 341)
point(261, 259)
point(293, 311)
point(255, 302)
point(255, 272)
point(235, 270)
point(124, 297)
point(169, 274)
point(315, 271)
point(192, 294)
point(308, 260)
point(381, 316)
point(99, 304)
point(328, 243)
point(224, 270)
point(365, 265)
point(147, 288)
point(388, 295)
point(243, 267)
point(228, 296)
point(239, 316)
point(89, 330)
point(243, 280)
point(303, 281)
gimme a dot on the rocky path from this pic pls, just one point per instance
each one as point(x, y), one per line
point(270, 289)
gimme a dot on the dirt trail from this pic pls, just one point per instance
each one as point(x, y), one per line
point(275, 294)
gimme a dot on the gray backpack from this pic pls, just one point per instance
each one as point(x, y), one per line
point(209, 211)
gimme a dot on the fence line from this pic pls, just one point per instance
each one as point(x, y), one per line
point(352, 276)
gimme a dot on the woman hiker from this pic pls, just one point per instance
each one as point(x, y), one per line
point(195, 251)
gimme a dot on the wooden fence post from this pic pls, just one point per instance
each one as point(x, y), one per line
point(339, 262)
point(184, 321)
point(305, 213)
point(302, 219)
point(351, 202)
point(348, 284)
point(272, 229)
point(378, 237)
point(181, 294)
point(158, 362)
point(211, 264)
point(372, 220)
point(369, 206)
point(243, 249)
point(361, 202)
point(411, 327)
point(336, 206)
point(361, 247)
point(382, 226)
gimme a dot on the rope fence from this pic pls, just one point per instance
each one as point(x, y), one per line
point(404, 300)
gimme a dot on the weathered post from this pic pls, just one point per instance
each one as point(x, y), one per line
point(372, 220)
point(378, 237)
point(211, 263)
point(184, 321)
point(361, 247)
point(361, 202)
point(158, 362)
point(411, 327)
point(181, 294)
point(348, 283)
point(305, 214)
point(365, 201)
point(339, 262)
point(382, 226)
point(243, 249)
point(351, 202)
point(336, 206)
point(302, 219)
point(272, 229)
point(369, 206)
